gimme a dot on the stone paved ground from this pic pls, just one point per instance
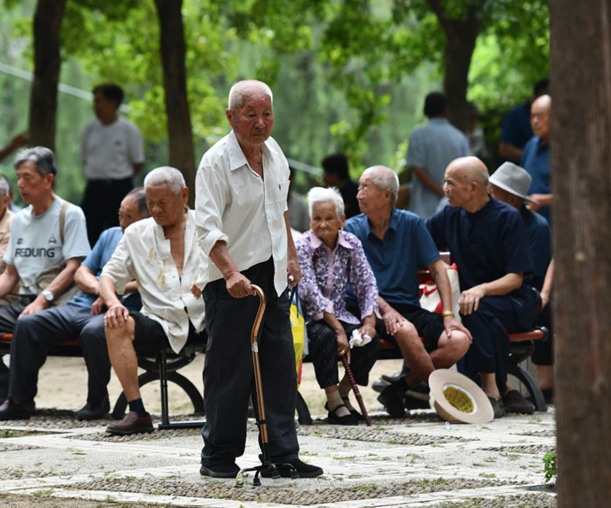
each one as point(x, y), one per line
point(52, 461)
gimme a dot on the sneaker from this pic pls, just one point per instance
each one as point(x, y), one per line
point(10, 410)
point(497, 406)
point(93, 411)
point(515, 403)
point(220, 470)
point(303, 470)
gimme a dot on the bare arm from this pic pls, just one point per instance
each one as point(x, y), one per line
point(86, 280)
point(343, 348)
point(116, 314)
point(427, 181)
point(8, 279)
point(292, 266)
point(548, 284)
point(238, 286)
point(509, 151)
point(542, 199)
point(469, 299)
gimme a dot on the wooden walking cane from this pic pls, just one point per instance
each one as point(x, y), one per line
point(267, 464)
point(355, 388)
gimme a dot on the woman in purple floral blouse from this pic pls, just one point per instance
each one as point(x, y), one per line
point(330, 259)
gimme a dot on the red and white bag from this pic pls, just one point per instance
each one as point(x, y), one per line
point(430, 299)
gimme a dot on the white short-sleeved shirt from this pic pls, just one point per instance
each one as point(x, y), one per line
point(110, 151)
point(35, 243)
point(144, 254)
point(235, 205)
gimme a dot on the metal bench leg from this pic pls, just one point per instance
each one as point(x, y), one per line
point(163, 381)
point(303, 413)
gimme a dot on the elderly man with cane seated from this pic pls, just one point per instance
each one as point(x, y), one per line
point(162, 254)
point(397, 244)
point(331, 259)
point(487, 240)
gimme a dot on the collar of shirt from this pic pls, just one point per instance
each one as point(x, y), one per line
point(394, 217)
point(237, 159)
point(341, 240)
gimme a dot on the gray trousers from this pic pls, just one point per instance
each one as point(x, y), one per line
point(36, 333)
point(228, 370)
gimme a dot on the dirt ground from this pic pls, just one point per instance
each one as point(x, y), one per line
point(63, 382)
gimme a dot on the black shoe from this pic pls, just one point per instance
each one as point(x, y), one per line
point(379, 386)
point(93, 411)
point(303, 470)
point(417, 397)
point(359, 417)
point(392, 399)
point(348, 419)
point(515, 403)
point(220, 470)
point(9, 410)
point(497, 406)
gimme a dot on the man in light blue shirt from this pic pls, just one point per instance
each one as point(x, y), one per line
point(430, 151)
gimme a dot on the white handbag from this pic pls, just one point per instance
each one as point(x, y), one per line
point(430, 299)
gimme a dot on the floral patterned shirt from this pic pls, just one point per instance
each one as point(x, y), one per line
point(326, 273)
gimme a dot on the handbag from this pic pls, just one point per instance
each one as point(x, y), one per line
point(298, 331)
point(430, 299)
point(44, 278)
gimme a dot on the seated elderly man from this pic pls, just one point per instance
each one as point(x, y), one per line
point(487, 240)
point(36, 333)
point(397, 244)
point(162, 254)
point(47, 236)
point(510, 184)
point(331, 259)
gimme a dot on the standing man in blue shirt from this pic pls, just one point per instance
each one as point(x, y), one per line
point(431, 148)
point(397, 244)
point(535, 158)
point(487, 241)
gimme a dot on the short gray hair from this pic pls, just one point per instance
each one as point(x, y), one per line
point(166, 175)
point(243, 89)
point(42, 157)
point(5, 187)
point(139, 195)
point(385, 178)
point(322, 195)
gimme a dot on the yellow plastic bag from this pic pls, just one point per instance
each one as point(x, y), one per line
point(298, 329)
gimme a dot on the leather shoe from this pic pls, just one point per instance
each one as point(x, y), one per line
point(92, 411)
point(10, 410)
point(348, 419)
point(131, 424)
point(392, 400)
point(497, 406)
point(220, 470)
point(303, 470)
point(514, 402)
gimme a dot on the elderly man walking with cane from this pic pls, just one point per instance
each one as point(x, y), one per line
point(242, 220)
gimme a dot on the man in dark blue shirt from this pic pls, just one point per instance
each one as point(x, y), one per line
point(487, 240)
point(397, 244)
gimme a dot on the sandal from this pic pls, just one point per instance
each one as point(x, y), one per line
point(359, 417)
point(341, 420)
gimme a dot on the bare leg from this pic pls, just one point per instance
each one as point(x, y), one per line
point(545, 373)
point(489, 385)
point(123, 357)
point(413, 351)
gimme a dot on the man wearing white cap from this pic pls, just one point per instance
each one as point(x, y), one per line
point(510, 183)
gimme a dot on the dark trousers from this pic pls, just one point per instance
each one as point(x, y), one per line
point(228, 370)
point(322, 343)
point(490, 325)
point(544, 351)
point(35, 334)
point(8, 318)
point(101, 205)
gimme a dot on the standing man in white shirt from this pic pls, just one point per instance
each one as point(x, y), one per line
point(162, 254)
point(111, 153)
point(243, 226)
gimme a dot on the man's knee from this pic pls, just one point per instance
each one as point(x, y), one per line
point(407, 335)
point(459, 343)
point(121, 334)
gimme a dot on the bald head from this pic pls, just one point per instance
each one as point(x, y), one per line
point(384, 179)
point(540, 116)
point(466, 183)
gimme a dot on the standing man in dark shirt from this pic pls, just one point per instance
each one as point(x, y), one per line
point(336, 174)
point(487, 241)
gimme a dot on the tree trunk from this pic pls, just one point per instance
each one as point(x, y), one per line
point(173, 53)
point(461, 36)
point(581, 158)
point(47, 64)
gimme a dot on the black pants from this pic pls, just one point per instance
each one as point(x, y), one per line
point(36, 333)
point(101, 205)
point(8, 318)
point(322, 343)
point(544, 351)
point(228, 370)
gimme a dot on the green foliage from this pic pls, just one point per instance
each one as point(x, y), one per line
point(550, 466)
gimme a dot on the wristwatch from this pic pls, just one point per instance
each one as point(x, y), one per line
point(48, 296)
